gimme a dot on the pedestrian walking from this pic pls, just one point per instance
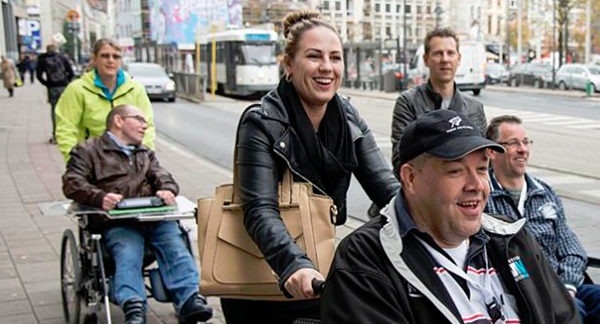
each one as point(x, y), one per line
point(54, 72)
point(22, 66)
point(82, 110)
point(303, 125)
point(9, 75)
point(31, 67)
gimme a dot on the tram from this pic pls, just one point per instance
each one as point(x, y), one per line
point(245, 60)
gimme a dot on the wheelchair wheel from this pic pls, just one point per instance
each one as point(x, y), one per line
point(70, 278)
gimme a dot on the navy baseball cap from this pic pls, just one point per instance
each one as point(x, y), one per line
point(445, 134)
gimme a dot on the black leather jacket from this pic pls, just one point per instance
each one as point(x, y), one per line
point(266, 145)
point(420, 100)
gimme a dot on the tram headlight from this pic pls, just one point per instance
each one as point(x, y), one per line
point(170, 86)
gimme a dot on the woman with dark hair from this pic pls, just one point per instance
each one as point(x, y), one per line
point(306, 126)
point(84, 105)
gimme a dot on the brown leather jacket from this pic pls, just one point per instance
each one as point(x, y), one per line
point(98, 167)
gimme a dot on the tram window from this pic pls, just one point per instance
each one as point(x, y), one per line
point(256, 54)
point(220, 52)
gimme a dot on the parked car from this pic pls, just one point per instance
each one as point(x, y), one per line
point(154, 78)
point(538, 75)
point(495, 73)
point(576, 76)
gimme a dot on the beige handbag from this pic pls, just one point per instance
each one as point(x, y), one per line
point(232, 265)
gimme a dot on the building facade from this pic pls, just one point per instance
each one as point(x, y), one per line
point(128, 25)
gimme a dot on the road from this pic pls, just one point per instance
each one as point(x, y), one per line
point(209, 129)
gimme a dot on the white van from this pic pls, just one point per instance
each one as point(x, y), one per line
point(470, 75)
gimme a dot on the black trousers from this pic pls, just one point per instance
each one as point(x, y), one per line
point(53, 96)
point(239, 311)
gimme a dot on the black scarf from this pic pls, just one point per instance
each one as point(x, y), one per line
point(330, 151)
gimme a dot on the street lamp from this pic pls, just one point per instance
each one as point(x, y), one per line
point(405, 74)
point(553, 54)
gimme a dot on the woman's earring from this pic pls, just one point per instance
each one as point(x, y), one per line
point(288, 77)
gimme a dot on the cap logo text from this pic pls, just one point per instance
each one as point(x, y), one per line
point(455, 125)
point(455, 122)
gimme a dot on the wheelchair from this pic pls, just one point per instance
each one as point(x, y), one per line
point(86, 266)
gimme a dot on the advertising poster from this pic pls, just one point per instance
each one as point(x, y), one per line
point(180, 21)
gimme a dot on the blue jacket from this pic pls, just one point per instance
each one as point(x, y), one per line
point(547, 223)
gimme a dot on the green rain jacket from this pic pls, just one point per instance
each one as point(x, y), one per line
point(83, 107)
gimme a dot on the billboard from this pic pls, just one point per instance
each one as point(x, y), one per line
point(29, 33)
point(181, 21)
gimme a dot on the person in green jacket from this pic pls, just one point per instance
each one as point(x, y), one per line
point(86, 102)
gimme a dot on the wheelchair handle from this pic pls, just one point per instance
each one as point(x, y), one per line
point(318, 286)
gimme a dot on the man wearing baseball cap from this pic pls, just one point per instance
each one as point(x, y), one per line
point(432, 256)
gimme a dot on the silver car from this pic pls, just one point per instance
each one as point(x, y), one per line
point(154, 78)
point(576, 76)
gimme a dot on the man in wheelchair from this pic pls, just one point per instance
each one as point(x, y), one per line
point(115, 166)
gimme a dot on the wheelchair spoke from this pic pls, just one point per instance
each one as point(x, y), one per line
point(70, 278)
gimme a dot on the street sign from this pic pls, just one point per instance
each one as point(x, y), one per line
point(390, 44)
point(72, 15)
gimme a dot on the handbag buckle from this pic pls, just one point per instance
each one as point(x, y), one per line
point(333, 212)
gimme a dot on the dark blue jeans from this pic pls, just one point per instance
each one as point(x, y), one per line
point(588, 303)
point(176, 264)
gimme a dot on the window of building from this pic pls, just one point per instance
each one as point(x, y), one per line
point(388, 32)
point(388, 7)
point(338, 6)
point(325, 5)
point(398, 7)
point(490, 24)
point(407, 9)
point(377, 7)
point(428, 9)
point(419, 9)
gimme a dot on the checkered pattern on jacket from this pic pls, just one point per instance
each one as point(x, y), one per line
point(546, 222)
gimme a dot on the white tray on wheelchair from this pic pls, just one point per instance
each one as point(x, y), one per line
point(184, 210)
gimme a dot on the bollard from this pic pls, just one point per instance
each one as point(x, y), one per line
point(589, 89)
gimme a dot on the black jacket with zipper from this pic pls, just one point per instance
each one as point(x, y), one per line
point(266, 146)
point(382, 276)
point(420, 100)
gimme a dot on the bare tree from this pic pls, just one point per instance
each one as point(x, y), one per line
point(563, 9)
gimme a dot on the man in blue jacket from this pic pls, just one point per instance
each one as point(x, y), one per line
point(517, 194)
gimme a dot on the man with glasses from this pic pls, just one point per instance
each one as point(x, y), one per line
point(105, 170)
point(517, 194)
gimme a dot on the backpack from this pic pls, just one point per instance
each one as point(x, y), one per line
point(55, 69)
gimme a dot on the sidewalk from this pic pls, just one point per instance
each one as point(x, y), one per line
point(30, 171)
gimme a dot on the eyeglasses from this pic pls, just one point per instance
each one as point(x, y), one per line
point(106, 56)
point(137, 117)
point(516, 143)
